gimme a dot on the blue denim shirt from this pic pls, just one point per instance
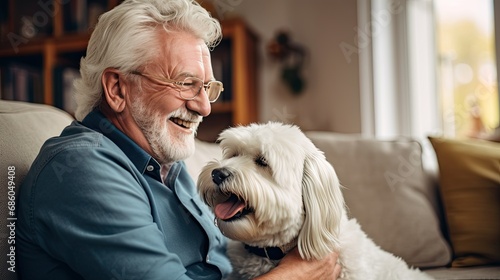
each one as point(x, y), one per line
point(93, 206)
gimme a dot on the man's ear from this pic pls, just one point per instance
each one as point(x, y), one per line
point(114, 90)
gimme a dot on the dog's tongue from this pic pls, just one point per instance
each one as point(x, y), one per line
point(229, 208)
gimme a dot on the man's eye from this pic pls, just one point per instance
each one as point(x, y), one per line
point(189, 83)
point(261, 161)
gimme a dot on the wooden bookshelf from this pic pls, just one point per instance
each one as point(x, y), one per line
point(238, 105)
point(59, 43)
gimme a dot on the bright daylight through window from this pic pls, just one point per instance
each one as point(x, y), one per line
point(467, 71)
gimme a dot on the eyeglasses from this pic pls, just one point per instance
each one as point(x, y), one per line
point(190, 87)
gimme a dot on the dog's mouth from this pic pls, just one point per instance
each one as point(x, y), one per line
point(232, 209)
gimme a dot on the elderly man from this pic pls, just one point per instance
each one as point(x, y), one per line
point(110, 198)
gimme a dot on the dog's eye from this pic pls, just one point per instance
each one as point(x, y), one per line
point(261, 161)
point(230, 154)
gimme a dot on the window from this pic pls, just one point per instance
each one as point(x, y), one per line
point(467, 92)
point(428, 68)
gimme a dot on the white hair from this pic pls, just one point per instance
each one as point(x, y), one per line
point(125, 37)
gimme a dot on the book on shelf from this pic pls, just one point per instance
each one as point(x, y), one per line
point(222, 68)
point(21, 82)
point(64, 78)
point(80, 15)
point(4, 20)
point(32, 18)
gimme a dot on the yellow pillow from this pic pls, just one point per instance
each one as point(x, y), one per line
point(470, 189)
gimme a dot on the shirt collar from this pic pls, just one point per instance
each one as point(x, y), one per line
point(96, 121)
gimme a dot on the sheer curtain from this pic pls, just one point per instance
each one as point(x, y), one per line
point(398, 73)
point(398, 78)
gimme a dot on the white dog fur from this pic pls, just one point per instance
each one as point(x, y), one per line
point(291, 196)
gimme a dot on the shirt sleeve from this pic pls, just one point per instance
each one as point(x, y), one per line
point(90, 211)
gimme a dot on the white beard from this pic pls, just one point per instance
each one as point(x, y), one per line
point(167, 147)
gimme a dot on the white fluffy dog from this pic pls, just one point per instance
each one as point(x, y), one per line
point(274, 190)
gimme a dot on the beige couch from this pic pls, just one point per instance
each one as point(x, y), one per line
point(386, 187)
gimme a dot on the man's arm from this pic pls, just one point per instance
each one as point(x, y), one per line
point(95, 216)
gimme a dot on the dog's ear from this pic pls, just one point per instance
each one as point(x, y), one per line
point(323, 206)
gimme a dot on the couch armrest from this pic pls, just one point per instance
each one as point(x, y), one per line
point(24, 128)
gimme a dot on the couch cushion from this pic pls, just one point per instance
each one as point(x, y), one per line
point(475, 272)
point(387, 191)
point(24, 128)
point(470, 186)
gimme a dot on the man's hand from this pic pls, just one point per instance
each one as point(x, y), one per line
point(294, 267)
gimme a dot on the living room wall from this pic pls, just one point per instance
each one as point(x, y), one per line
point(331, 99)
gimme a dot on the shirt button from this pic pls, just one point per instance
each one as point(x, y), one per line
point(208, 258)
point(150, 168)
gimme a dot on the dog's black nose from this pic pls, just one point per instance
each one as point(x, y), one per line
point(219, 175)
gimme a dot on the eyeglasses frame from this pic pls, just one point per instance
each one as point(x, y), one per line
point(166, 81)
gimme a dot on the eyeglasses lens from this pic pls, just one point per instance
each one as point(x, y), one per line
point(214, 88)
